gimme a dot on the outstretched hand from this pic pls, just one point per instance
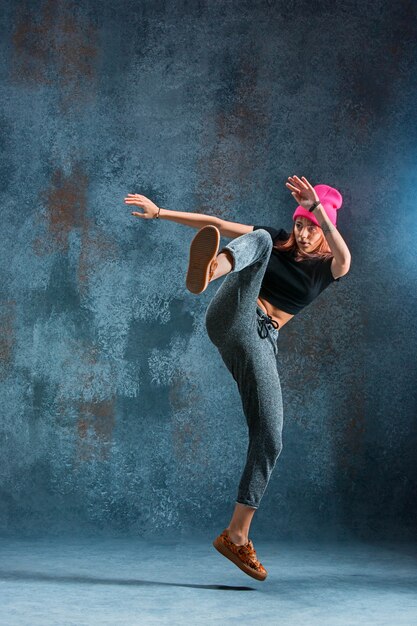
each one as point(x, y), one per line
point(302, 191)
point(150, 209)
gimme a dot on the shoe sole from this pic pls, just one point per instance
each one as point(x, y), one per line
point(219, 545)
point(203, 251)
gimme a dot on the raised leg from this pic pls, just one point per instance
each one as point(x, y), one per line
point(234, 303)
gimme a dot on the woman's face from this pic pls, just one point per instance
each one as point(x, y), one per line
point(306, 231)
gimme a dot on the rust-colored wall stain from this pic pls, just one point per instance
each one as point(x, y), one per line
point(95, 418)
point(187, 440)
point(66, 206)
point(65, 201)
point(183, 391)
point(366, 81)
point(54, 48)
point(187, 435)
point(224, 168)
point(7, 336)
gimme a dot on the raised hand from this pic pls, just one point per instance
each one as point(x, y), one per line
point(302, 192)
point(150, 209)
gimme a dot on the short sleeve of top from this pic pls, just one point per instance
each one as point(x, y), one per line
point(291, 285)
point(275, 233)
point(326, 275)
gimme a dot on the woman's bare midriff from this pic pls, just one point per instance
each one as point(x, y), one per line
point(281, 317)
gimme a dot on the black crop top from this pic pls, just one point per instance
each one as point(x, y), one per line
point(291, 285)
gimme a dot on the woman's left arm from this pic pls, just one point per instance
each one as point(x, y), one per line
point(306, 196)
point(335, 240)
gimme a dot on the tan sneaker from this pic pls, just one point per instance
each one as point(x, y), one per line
point(242, 556)
point(202, 262)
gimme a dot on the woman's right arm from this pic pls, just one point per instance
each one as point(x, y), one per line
point(195, 220)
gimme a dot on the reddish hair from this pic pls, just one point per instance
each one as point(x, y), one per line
point(322, 250)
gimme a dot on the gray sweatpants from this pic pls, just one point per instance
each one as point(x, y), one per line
point(247, 343)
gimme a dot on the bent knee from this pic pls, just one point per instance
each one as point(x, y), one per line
point(264, 237)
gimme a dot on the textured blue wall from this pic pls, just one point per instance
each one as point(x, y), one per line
point(117, 414)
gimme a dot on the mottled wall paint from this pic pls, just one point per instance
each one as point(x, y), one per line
point(117, 414)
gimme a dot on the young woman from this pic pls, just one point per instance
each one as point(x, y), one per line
point(271, 276)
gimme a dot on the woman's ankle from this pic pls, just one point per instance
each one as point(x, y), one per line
point(224, 262)
point(237, 536)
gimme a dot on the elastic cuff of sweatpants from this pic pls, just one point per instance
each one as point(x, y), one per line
point(231, 252)
point(237, 261)
point(253, 506)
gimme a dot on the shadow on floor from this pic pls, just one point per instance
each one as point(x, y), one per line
point(58, 578)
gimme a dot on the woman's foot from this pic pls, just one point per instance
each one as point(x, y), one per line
point(244, 556)
point(202, 261)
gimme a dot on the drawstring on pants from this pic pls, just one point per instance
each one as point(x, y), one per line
point(264, 323)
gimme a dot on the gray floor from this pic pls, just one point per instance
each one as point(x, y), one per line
point(121, 581)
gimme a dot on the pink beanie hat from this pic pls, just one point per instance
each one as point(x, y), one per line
point(331, 200)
